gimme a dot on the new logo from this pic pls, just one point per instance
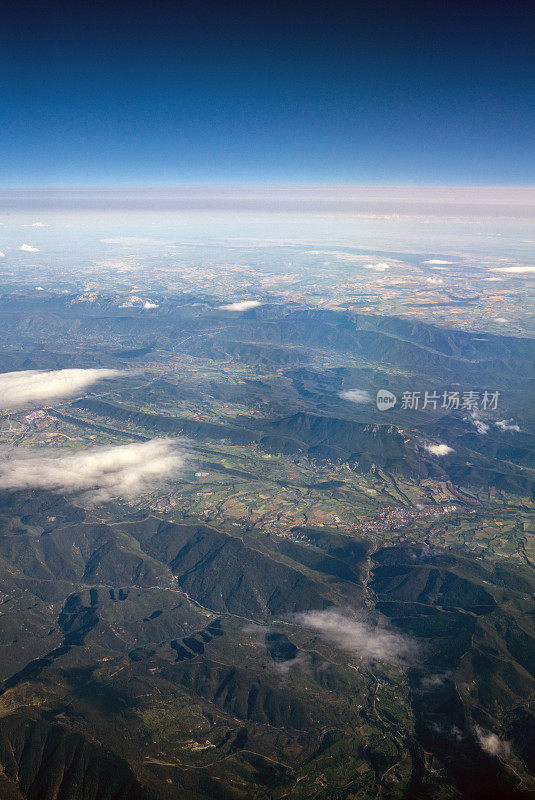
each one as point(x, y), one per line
point(385, 400)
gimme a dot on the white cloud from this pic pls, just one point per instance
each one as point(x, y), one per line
point(258, 637)
point(438, 449)
point(353, 258)
point(437, 261)
point(435, 281)
point(500, 319)
point(102, 473)
point(493, 279)
point(456, 733)
point(39, 225)
point(381, 266)
point(148, 304)
point(514, 270)
point(338, 256)
point(480, 426)
point(436, 680)
point(357, 637)
point(242, 305)
point(2, 255)
point(491, 743)
point(27, 248)
point(507, 425)
point(301, 661)
point(134, 240)
point(356, 396)
point(30, 387)
point(39, 289)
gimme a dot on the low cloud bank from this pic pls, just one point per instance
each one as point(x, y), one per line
point(102, 473)
point(31, 387)
point(356, 395)
point(241, 305)
point(438, 449)
point(358, 638)
point(514, 270)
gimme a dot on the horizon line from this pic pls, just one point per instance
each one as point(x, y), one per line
point(262, 185)
point(505, 201)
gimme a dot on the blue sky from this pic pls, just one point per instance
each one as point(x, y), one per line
point(296, 92)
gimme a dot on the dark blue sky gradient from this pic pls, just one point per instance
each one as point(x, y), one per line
point(297, 92)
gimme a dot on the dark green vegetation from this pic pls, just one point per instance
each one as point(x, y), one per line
point(151, 650)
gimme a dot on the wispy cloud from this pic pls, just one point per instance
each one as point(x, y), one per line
point(257, 633)
point(480, 426)
point(241, 305)
point(301, 661)
point(438, 449)
point(381, 266)
point(491, 743)
point(356, 395)
point(356, 259)
point(134, 240)
point(437, 680)
point(437, 261)
point(27, 248)
point(358, 638)
point(31, 387)
point(39, 225)
point(507, 425)
point(101, 473)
